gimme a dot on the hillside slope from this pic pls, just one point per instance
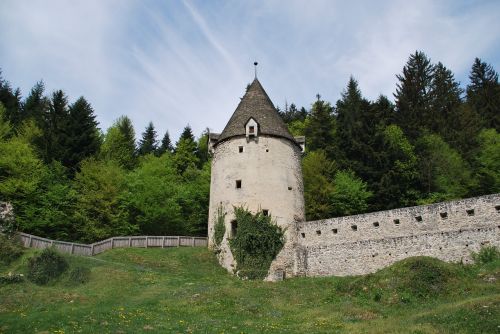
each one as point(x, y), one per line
point(183, 290)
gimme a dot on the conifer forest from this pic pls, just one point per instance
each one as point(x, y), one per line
point(434, 140)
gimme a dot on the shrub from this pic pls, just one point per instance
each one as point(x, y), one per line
point(48, 265)
point(11, 248)
point(219, 227)
point(79, 275)
point(486, 255)
point(256, 244)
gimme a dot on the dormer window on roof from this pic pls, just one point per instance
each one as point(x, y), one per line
point(251, 128)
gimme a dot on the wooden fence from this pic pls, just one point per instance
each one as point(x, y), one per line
point(32, 241)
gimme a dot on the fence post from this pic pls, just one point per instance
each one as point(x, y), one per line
point(192, 242)
point(178, 241)
point(31, 239)
point(112, 243)
point(92, 250)
point(130, 241)
point(72, 248)
point(163, 242)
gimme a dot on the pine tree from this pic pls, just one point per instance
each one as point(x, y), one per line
point(148, 143)
point(166, 144)
point(354, 131)
point(321, 127)
point(186, 151)
point(84, 139)
point(187, 133)
point(483, 93)
point(445, 102)
point(57, 131)
point(11, 100)
point(413, 95)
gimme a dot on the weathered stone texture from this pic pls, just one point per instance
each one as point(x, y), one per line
point(356, 245)
point(6, 212)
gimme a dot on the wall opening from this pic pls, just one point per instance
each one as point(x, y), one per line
point(240, 149)
point(251, 129)
point(470, 212)
point(396, 221)
point(290, 188)
point(267, 150)
point(444, 215)
point(497, 207)
point(418, 219)
point(238, 184)
point(265, 212)
point(303, 235)
point(354, 227)
point(318, 232)
point(376, 224)
point(234, 228)
point(335, 231)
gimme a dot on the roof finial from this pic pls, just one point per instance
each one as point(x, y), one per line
point(255, 64)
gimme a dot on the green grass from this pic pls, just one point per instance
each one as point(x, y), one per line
point(183, 290)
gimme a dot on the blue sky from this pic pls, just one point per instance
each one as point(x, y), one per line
point(180, 62)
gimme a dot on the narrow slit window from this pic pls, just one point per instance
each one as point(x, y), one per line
point(354, 227)
point(303, 235)
point(418, 218)
point(444, 215)
point(318, 232)
point(240, 149)
point(238, 184)
point(376, 224)
point(470, 212)
point(335, 231)
point(265, 212)
point(234, 228)
point(396, 221)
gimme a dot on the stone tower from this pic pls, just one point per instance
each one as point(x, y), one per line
point(256, 163)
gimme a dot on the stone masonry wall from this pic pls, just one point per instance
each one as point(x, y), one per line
point(365, 243)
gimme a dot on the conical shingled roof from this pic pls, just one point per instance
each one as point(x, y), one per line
point(257, 105)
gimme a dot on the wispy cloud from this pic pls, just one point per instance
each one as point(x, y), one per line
point(176, 63)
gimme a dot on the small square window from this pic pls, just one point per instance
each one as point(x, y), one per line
point(303, 235)
point(418, 218)
point(289, 188)
point(396, 221)
point(335, 231)
point(251, 129)
point(238, 184)
point(444, 215)
point(240, 149)
point(354, 227)
point(318, 232)
point(470, 212)
point(376, 224)
point(265, 212)
point(497, 207)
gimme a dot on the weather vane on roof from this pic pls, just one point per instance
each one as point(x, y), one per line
point(255, 65)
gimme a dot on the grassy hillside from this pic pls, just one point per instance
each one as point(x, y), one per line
point(183, 290)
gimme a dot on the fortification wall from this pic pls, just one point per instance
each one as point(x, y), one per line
point(364, 243)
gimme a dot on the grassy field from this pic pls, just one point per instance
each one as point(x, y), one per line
point(183, 290)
